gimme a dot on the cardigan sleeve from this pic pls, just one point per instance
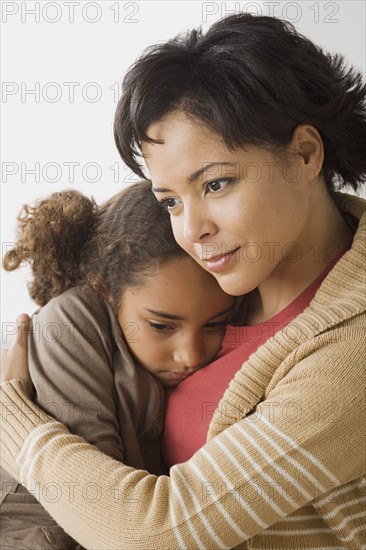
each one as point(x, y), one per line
point(301, 441)
point(71, 366)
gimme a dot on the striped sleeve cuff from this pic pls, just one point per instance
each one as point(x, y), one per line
point(20, 418)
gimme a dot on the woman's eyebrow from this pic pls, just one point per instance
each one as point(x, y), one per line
point(208, 166)
point(160, 190)
point(199, 173)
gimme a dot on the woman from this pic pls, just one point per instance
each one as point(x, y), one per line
point(246, 131)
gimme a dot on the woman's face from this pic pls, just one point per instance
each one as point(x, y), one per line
point(242, 214)
point(175, 321)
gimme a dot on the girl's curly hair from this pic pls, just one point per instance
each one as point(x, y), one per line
point(68, 240)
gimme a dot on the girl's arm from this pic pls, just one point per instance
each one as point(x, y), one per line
point(257, 471)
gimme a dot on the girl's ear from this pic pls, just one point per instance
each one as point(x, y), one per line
point(308, 144)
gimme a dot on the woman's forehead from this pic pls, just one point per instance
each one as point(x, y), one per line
point(186, 149)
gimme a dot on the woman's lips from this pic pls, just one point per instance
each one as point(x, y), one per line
point(220, 262)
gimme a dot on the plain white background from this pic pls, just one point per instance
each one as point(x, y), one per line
point(62, 64)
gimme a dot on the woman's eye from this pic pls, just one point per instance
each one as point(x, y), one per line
point(217, 185)
point(160, 327)
point(169, 204)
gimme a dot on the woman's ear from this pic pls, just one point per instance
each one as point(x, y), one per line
point(308, 144)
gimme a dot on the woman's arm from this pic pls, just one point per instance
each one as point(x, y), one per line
point(259, 470)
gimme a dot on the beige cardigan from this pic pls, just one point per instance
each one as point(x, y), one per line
point(285, 464)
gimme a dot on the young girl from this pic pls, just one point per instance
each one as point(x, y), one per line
point(125, 312)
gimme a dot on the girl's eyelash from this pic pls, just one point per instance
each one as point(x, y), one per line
point(160, 327)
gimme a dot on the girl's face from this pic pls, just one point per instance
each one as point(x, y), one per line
point(242, 214)
point(175, 321)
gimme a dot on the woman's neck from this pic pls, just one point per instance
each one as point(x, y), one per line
point(327, 235)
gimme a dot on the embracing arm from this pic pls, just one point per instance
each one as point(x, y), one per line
point(259, 470)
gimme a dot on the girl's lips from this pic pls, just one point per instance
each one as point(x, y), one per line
point(220, 263)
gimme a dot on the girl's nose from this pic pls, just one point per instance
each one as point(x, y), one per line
point(190, 352)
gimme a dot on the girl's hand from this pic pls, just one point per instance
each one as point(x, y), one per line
point(14, 362)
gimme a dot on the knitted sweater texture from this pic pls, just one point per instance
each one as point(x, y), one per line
point(284, 466)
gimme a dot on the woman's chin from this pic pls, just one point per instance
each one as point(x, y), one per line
point(234, 284)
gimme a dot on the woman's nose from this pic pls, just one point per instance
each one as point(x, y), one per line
point(197, 224)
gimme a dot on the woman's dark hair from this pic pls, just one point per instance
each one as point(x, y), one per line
point(252, 80)
point(68, 241)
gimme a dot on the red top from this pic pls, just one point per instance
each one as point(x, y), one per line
point(190, 406)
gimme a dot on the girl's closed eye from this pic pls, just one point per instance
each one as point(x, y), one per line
point(160, 327)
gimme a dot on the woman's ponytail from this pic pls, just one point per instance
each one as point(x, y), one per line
point(52, 236)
